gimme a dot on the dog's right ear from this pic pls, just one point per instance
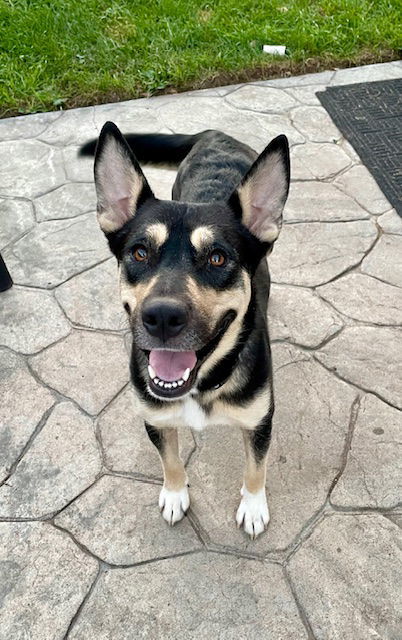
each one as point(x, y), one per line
point(121, 186)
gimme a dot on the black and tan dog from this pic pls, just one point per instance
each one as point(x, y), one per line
point(195, 284)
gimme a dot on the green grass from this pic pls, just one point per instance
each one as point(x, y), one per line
point(60, 53)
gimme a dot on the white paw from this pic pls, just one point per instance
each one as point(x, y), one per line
point(253, 512)
point(173, 504)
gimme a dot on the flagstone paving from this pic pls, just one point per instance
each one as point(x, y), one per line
point(84, 552)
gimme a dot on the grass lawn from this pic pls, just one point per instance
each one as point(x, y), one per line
point(62, 53)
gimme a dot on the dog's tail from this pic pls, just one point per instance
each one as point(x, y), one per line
point(153, 148)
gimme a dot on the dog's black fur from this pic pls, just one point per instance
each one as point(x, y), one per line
point(220, 186)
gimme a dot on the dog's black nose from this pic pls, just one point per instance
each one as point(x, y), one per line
point(164, 318)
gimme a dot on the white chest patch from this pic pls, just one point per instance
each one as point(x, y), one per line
point(189, 413)
point(193, 415)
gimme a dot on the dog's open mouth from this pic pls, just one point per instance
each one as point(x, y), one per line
point(171, 373)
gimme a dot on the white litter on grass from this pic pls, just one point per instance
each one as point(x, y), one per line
point(274, 49)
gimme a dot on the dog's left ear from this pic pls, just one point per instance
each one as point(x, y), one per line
point(264, 190)
point(120, 183)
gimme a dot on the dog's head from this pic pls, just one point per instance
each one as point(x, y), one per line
point(186, 269)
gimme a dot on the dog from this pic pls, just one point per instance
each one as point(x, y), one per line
point(194, 282)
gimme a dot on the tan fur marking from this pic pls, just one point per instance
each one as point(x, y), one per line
point(225, 413)
point(201, 236)
point(133, 294)
point(213, 304)
point(157, 233)
point(173, 468)
point(246, 416)
point(254, 473)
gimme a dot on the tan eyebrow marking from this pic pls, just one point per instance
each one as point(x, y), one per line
point(201, 236)
point(158, 233)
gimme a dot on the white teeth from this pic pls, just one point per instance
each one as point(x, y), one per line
point(151, 372)
point(169, 385)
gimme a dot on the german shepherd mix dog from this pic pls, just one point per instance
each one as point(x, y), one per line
point(194, 282)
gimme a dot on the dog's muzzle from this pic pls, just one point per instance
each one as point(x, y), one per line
point(173, 372)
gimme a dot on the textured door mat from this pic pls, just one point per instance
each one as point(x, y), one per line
point(369, 115)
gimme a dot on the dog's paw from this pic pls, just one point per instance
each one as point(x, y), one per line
point(253, 512)
point(173, 504)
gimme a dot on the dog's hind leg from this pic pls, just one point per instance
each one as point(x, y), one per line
point(253, 511)
point(174, 499)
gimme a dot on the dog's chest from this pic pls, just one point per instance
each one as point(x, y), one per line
point(189, 414)
point(194, 415)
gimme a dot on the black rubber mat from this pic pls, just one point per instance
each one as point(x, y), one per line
point(369, 115)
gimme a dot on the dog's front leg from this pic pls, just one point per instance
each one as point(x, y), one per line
point(253, 511)
point(174, 499)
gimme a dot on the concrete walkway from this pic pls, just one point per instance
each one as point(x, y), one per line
point(84, 552)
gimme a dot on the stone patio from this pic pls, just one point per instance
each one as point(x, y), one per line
point(84, 553)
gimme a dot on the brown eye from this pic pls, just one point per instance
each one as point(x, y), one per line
point(217, 259)
point(140, 253)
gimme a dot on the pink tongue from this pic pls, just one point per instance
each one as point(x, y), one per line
point(171, 365)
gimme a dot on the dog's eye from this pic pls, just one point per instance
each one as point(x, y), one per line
point(140, 253)
point(217, 259)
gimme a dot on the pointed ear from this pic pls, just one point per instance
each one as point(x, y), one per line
point(264, 190)
point(120, 184)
